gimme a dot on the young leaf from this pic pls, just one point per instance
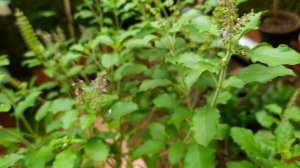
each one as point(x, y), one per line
point(96, 149)
point(199, 156)
point(293, 114)
point(149, 148)
point(122, 108)
point(153, 83)
point(261, 73)
point(9, 160)
point(3, 60)
point(282, 55)
point(205, 125)
point(274, 108)
point(39, 157)
point(179, 114)
point(205, 24)
point(65, 159)
point(233, 81)
point(252, 24)
point(176, 153)
point(139, 43)
point(68, 118)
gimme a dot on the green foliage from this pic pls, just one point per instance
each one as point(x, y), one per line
point(145, 81)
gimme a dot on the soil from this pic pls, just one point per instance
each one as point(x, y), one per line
point(280, 23)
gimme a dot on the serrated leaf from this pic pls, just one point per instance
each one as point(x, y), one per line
point(205, 125)
point(9, 160)
point(192, 76)
point(122, 108)
point(65, 159)
point(176, 153)
point(153, 83)
point(205, 24)
point(42, 111)
point(96, 149)
point(28, 102)
point(198, 156)
point(285, 135)
point(87, 121)
point(247, 142)
point(4, 107)
point(109, 60)
point(261, 73)
point(292, 113)
point(149, 148)
point(282, 55)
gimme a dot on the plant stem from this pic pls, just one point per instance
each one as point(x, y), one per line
point(68, 13)
point(222, 76)
point(28, 127)
point(292, 101)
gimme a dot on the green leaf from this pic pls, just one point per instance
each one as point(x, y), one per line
point(129, 69)
point(285, 135)
point(282, 55)
point(4, 107)
point(205, 24)
point(179, 114)
point(233, 81)
point(176, 153)
point(74, 70)
point(246, 140)
point(122, 108)
point(28, 102)
point(139, 43)
point(68, 118)
point(86, 121)
point(158, 131)
point(61, 105)
point(149, 148)
point(198, 156)
point(192, 76)
point(252, 24)
point(240, 164)
point(109, 60)
point(9, 136)
point(10, 160)
point(42, 111)
point(96, 149)
point(261, 73)
point(65, 159)
point(153, 83)
point(3, 60)
point(292, 113)
point(274, 108)
point(165, 101)
point(205, 125)
point(265, 119)
point(102, 39)
point(39, 157)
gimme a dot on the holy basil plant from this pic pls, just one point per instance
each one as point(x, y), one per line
point(147, 84)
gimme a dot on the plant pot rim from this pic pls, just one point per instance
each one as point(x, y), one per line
point(291, 15)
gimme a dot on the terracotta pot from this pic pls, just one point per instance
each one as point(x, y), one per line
point(280, 28)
